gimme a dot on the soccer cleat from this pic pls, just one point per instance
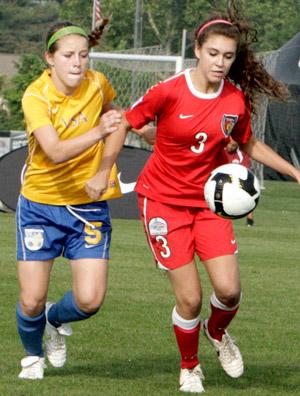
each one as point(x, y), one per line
point(190, 380)
point(250, 222)
point(55, 346)
point(229, 354)
point(32, 367)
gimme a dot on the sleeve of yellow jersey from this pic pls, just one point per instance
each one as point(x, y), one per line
point(36, 111)
point(109, 93)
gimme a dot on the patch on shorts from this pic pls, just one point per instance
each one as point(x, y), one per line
point(34, 238)
point(158, 226)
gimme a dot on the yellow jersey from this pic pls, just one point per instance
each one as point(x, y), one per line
point(71, 116)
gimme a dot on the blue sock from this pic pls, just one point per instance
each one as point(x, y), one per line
point(31, 330)
point(66, 310)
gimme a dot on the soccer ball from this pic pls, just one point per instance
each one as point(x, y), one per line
point(232, 191)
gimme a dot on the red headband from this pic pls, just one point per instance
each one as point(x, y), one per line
point(214, 21)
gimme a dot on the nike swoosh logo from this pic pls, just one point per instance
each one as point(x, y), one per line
point(184, 116)
point(89, 246)
point(126, 187)
point(233, 241)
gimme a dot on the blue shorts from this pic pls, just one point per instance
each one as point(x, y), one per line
point(75, 232)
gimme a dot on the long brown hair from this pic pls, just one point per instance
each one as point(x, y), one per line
point(93, 37)
point(246, 71)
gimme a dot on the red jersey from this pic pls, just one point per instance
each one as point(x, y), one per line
point(192, 128)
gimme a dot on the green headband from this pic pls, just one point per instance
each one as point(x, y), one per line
point(64, 32)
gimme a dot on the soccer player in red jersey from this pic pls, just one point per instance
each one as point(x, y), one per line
point(196, 112)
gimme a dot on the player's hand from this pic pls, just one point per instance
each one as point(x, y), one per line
point(109, 123)
point(96, 186)
point(232, 146)
point(148, 133)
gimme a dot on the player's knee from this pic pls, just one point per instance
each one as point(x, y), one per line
point(230, 298)
point(90, 309)
point(192, 305)
point(90, 306)
point(32, 306)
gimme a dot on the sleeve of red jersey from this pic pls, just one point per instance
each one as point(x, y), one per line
point(242, 131)
point(147, 107)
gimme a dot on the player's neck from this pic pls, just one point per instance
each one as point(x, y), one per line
point(201, 84)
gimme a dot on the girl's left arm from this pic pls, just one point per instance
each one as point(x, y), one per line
point(264, 154)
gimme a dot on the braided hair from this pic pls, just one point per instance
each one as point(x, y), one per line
point(96, 34)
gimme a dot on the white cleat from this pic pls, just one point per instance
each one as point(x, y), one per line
point(190, 380)
point(32, 367)
point(229, 354)
point(55, 346)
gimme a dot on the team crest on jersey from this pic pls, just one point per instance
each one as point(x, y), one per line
point(158, 226)
point(228, 123)
point(34, 239)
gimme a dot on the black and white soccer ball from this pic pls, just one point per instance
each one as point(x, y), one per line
point(232, 191)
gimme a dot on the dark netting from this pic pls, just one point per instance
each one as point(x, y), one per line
point(282, 128)
point(130, 162)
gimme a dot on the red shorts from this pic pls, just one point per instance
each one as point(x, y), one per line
point(176, 233)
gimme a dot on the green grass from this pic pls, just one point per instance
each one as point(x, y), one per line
point(129, 347)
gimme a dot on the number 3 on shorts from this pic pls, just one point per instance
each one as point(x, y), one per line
point(94, 235)
point(164, 245)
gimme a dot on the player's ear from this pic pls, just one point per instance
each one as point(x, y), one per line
point(197, 50)
point(48, 58)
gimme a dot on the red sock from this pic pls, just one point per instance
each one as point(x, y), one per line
point(219, 320)
point(187, 341)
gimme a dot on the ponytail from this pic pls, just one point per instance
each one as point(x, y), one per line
point(96, 34)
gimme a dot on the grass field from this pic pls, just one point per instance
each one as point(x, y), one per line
point(129, 347)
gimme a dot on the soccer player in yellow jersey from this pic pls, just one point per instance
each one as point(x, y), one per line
point(62, 209)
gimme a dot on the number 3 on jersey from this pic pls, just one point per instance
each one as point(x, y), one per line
point(201, 138)
point(165, 253)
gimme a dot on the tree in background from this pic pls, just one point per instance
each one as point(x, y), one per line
point(119, 35)
point(163, 21)
point(276, 22)
point(24, 25)
point(29, 68)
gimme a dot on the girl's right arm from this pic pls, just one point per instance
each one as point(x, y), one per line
point(59, 151)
